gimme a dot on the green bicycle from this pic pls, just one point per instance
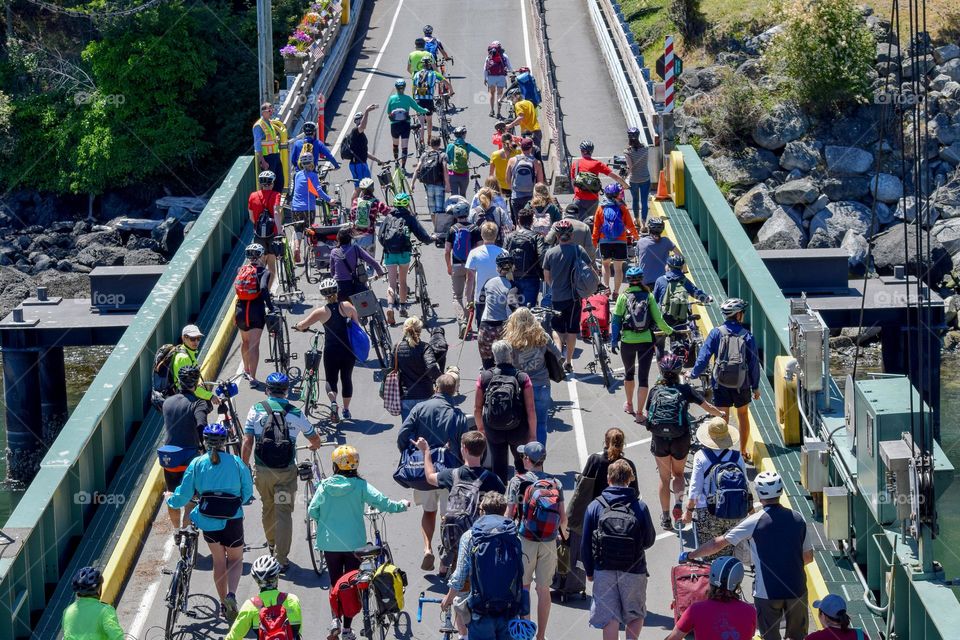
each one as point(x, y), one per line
point(286, 274)
point(394, 181)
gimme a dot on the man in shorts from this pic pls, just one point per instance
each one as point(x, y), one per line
point(184, 417)
point(398, 111)
point(558, 265)
point(432, 171)
point(358, 147)
point(586, 200)
point(266, 200)
point(496, 66)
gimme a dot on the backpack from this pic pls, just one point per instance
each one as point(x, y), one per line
point(637, 317)
point(463, 506)
point(461, 242)
point(613, 226)
point(362, 220)
point(524, 175)
point(584, 279)
point(614, 542)
point(541, 510)
point(431, 168)
point(346, 148)
point(431, 46)
point(541, 221)
point(730, 368)
point(163, 385)
point(394, 234)
point(667, 412)
point(675, 301)
point(275, 448)
point(265, 227)
point(388, 583)
point(502, 402)
point(528, 87)
point(727, 494)
point(247, 283)
point(274, 624)
point(495, 65)
point(586, 180)
point(522, 245)
point(496, 576)
point(461, 159)
point(423, 82)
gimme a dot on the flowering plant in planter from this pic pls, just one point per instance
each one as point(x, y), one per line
point(309, 32)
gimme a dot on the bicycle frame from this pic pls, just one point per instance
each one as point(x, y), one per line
point(227, 390)
point(179, 590)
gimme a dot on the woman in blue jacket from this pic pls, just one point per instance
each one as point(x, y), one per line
point(219, 517)
point(338, 509)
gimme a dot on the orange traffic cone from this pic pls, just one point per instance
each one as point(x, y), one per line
point(662, 187)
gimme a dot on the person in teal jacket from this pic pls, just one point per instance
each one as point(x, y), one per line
point(220, 519)
point(87, 618)
point(636, 306)
point(458, 161)
point(398, 111)
point(338, 507)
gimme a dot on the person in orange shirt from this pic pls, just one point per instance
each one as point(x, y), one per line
point(613, 229)
point(498, 163)
point(498, 130)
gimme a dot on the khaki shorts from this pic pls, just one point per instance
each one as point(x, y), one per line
point(431, 500)
point(539, 558)
point(617, 595)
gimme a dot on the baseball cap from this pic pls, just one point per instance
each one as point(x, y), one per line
point(831, 606)
point(533, 450)
point(191, 331)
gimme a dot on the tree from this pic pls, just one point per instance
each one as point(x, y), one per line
point(688, 18)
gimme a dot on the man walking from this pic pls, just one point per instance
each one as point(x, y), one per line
point(187, 354)
point(527, 248)
point(266, 145)
point(653, 252)
point(184, 417)
point(585, 175)
point(523, 172)
point(558, 265)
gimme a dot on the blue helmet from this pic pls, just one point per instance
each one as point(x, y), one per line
point(521, 629)
point(613, 190)
point(400, 83)
point(215, 436)
point(634, 274)
point(726, 572)
point(87, 582)
point(676, 261)
point(278, 382)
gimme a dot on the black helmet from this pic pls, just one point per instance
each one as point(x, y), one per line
point(504, 261)
point(427, 30)
point(87, 582)
point(309, 129)
point(419, 43)
point(655, 225)
point(586, 146)
point(676, 261)
point(633, 133)
point(189, 376)
point(460, 132)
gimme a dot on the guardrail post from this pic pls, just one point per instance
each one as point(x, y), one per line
point(21, 394)
point(344, 11)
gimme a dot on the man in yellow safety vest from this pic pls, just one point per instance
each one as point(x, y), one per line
point(266, 145)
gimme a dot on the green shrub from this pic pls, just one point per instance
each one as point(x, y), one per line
point(826, 50)
point(731, 112)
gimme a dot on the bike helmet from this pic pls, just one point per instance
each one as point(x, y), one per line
point(460, 132)
point(521, 629)
point(189, 376)
point(306, 160)
point(87, 582)
point(214, 436)
point(670, 363)
point(309, 129)
point(278, 382)
point(655, 225)
point(357, 117)
point(419, 43)
point(426, 63)
point(366, 185)
point(726, 572)
point(458, 209)
point(676, 261)
point(633, 133)
point(495, 46)
point(266, 571)
point(400, 83)
point(254, 251)
point(505, 261)
point(613, 190)
point(346, 458)
point(586, 146)
point(634, 275)
point(732, 306)
point(564, 228)
point(328, 287)
point(267, 177)
point(769, 485)
point(428, 30)
point(402, 199)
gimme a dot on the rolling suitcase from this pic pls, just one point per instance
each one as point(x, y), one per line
point(689, 581)
point(601, 310)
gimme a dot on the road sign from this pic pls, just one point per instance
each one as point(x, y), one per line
point(677, 66)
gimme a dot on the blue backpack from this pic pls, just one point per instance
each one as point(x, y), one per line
point(431, 46)
point(727, 494)
point(528, 87)
point(496, 576)
point(613, 226)
point(461, 242)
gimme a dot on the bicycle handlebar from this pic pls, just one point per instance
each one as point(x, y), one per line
point(306, 330)
point(424, 600)
point(661, 334)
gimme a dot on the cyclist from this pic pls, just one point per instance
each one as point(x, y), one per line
point(306, 192)
point(434, 46)
point(523, 173)
point(461, 238)
point(723, 614)
point(672, 289)
point(266, 144)
point(398, 111)
point(87, 617)
point(309, 143)
point(613, 229)
point(499, 160)
point(338, 355)
point(639, 175)
point(432, 171)
point(338, 507)
point(582, 233)
point(652, 252)
point(346, 267)
point(270, 434)
point(496, 66)
point(458, 158)
point(184, 417)
point(558, 264)
point(224, 485)
point(394, 232)
point(500, 297)
point(187, 354)
point(366, 211)
point(631, 328)
point(356, 148)
point(586, 189)
point(266, 572)
point(426, 83)
point(526, 113)
point(264, 209)
point(252, 286)
point(417, 56)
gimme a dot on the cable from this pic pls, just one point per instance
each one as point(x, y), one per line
point(94, 15)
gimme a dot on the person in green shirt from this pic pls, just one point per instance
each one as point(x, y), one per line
point(186, 354)
point(266, 571)
point(88, 618)
point(398, 111)
point(417, 56)
point(632, 329)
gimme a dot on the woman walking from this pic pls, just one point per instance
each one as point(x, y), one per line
point(252, 286)
point(417, 364)
point(346, 265)
point(545, 209)
point(638, 176)
point(338, 355)
point(530, 346)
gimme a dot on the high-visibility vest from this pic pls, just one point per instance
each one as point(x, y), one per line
point(269, 145)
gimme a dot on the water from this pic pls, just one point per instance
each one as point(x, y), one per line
point(82, 365)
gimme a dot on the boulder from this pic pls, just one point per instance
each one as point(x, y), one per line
point(169, 235)
point(99, 255)
point(847, 161)
point(907, 208)
point(886, 187)
point(784, 123)
point(752, 68)
point(950, 89)
point(801, 155)
point(947, 198)
point(139, 242)
point(857, 248)
point(784, 230)
point(139, 257)
point(109, 238)
point(887, 52)
point(947, 233)
point(14, 287)
point(64, 265)
point(42, 263)
point(848, 188)
point(62, 226)
point(946, 53)
point(802, 191)
point(951, 154)
point(743, 169)
point(708, 78)
point(828, 227)
point(951, 68)
point(923, 64)
point(192, 204)
point(888, 252)
point(756, 205)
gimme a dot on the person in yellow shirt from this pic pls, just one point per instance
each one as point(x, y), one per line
point(526, 118)
point(87, 618)
point(266, 571)
point(499, 160)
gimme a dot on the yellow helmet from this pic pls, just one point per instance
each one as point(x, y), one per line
point(346, 458)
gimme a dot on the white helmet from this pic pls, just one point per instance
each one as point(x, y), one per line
point(732, 306)
point(265, 570)
point(328, 286)
point(769, 485)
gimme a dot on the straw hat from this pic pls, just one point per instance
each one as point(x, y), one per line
point(715, 433)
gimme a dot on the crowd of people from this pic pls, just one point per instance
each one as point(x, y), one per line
point(505, 527)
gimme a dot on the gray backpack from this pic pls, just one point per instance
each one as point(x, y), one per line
point(730, 369)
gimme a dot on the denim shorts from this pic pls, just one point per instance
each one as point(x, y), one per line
point(435, 197)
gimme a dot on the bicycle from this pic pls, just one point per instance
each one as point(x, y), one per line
point(685, 342)
point(285, 267)
point(475, 176)
point(310, 388)
point(372, 317)
point(420, 283)
point(179, 589)
point(279, 338)
point(312, 473)
point(600, 356)
point(447, 629)
point(227, 390)
point(394, 181)
point(416, 133)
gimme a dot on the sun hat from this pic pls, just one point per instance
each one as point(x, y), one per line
point(717, 434)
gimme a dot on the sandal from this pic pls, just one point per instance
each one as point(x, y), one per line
point(747, 458)
point(628, 408)
point(640, 419)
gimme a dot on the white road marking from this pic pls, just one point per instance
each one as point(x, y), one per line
point(526, 32)
point(667, 534)
point(637, 443)
point(146, 603)
point(577, 422)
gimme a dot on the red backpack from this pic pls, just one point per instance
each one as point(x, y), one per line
point(274, 624)
point(541, 510)
point(495, 64)
point(247, 283)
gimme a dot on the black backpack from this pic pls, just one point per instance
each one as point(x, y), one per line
point(615, 541)
point(667, 412)
point(503, 402)
point(265, 227)
point(394, 234)
point(463, 507)
point(523, 246)
point(162, 383)
point(275, 449)
point(346, 149)
point(637, 317)
point(431, 168)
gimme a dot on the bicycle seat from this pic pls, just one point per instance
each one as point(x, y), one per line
point(368, 550)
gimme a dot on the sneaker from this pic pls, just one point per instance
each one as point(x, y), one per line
point(665, 523)
point(232, 608)
point(348, 634)
point(347, 415)
point(391, 318)
point(568, 367)
point(403, 311)
point(284, 568)
point(677, 512)
point(491, 113)
point(334, 413)
point(427, 563)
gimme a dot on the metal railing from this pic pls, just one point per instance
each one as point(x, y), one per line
point(550, 105)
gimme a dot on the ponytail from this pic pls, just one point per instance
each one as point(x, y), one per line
point(214, 456)
point(613, 441)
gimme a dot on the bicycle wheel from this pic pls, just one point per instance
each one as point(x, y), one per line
point(174, 597)
point(375, 330)
point(420, 282)
point(317, 559)
point(604, 363)
point(311, 393)
point(307, 255)
point(419, 145)
point(388, 194)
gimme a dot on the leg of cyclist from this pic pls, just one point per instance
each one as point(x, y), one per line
point(404, 268)
point(617, 278)
point(644, 357)
point(492, 90)
point(628, 355)
point(218, 555)
point(392, 289)
point(458, 280)
point(677, 483)
point(396, 147)
point(606, 272)
point(331, 370)
point(234, 568)
point(346, 381)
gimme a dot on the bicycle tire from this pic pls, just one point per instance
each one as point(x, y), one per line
point(422, 295)
point(311, 394)
point(306, 264)
point(173, 602)
point(375, 330)
point(317, 559)
point(388, 194)
point(419, 145)
point(605, 365)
